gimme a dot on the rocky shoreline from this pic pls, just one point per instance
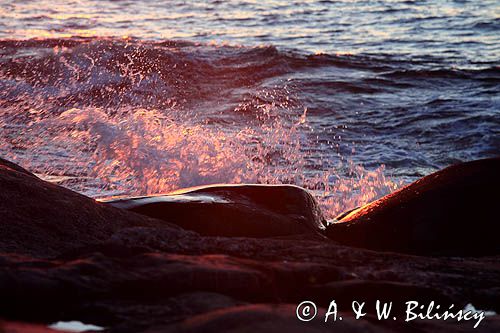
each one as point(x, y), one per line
point(65, 257)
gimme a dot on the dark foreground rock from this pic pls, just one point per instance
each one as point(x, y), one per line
point(41, 219)
point(451, 212)
point(234, 210)
point(64, 257)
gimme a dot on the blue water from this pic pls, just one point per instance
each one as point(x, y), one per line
point(351, 99)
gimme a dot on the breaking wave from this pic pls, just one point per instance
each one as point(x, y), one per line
point(107, 116)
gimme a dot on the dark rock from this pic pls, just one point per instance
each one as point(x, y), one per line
point(234, 210)
point(42, 219)
point(281, 318)
point(19, 327)
point(451, 212)
point(65, 257)
point(263, 318)
point(4, 164)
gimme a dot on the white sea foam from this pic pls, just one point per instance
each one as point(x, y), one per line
point(74, 326)
point(140, 152)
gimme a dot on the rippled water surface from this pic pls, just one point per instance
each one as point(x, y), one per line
point(348, 98)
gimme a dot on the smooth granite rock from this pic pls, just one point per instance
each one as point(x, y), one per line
point(454, 211)
point(234, 210)
point(65, 257)
point(42, 219)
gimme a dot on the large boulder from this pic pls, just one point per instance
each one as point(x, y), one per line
point(451, 212)
point(44, 220)
point(234, 210)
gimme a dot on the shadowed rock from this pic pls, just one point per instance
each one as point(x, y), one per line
point(263, 318)
point(65, 257)
point(234, 210)
point(43, 219)
point(19, 327)
point(4, 164)
point(454, 211)
point(282, 318)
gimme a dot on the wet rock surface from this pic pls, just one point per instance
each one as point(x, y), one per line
point(66, 257)
point(451, 212)
point(43, 220)
point(234, 210)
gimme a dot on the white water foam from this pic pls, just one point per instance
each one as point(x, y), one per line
point(141, 152)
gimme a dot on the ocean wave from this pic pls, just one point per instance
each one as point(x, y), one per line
point(106, 71)
point(108, 116)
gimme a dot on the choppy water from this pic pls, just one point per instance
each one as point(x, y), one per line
point(348, 98)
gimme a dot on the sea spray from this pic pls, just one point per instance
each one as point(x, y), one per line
point(140, 151)
point(123, 117)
